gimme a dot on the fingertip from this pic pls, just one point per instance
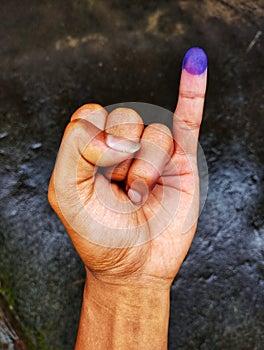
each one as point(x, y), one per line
point(134, 196)
point(121, 144)
point(194, 74)
point(93, 113)
point(126, 123)
point(123, 129)
point(138, 191)
point(195, 61)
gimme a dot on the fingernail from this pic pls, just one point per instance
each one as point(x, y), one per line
point(195, 61)
point(120, 144)
point(134, 196)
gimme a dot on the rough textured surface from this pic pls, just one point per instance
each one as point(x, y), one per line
point(10, 331)
point(57, 55)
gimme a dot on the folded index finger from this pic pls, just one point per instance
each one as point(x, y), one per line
point(189, 110)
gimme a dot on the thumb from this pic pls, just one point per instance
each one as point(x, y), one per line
point(126, 124)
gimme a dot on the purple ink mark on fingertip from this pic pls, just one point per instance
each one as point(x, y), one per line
point(195, 61)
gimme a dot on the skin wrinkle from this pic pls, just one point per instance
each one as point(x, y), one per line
point(128, 253)
point(101, 305)
point(182, 176)
point(188, 125)
point(86, 161)
point(83, 185)
point(182, 189)
point(116, 271)
point(180, 152)
point(161, 204)
point(166, 278)
point(150, 209)
point(119, 270)
point(191, 95)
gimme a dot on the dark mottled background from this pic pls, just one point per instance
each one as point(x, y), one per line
point(57, 55)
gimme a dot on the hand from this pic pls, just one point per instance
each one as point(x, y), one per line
point(136, 229)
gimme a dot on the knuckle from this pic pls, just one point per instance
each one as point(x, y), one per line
point(160, 136)
point(123, 115)
point(191, 95)
point(159, 128)
point(190, 124)
point(93, 113)
point(124, 122)
point(80, 132)
point(147, 173)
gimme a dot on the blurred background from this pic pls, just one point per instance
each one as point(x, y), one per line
point(57, 55)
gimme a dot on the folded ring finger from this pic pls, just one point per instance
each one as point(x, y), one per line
point(156, 149)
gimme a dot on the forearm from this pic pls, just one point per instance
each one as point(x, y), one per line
point(120, 317)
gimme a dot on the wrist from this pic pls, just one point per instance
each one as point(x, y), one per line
point(123, 316)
